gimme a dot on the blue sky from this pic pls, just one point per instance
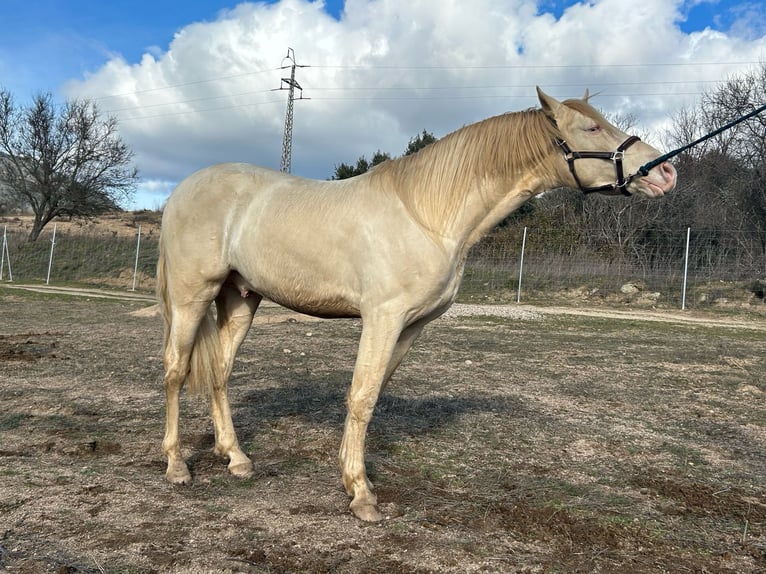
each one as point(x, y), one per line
point(382, 70)
point(45, 42)
point(715, 14)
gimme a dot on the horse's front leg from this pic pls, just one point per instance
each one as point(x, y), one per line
point(376, 346)
point(406, 339)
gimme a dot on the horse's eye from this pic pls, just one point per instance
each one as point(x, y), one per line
point(594, 129)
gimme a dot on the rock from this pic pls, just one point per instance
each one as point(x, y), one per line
point(630, 289)
point(651, 297)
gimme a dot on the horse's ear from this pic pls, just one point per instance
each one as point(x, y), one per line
point(550, 105)
point(586, 95)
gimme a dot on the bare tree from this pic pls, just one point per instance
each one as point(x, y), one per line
point(726, 175)
point(69, 162)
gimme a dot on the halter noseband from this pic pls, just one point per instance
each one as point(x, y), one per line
point(617, 156)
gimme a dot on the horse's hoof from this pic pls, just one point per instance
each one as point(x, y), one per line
point(242, 469)
point(366, 512)
point(179, 475)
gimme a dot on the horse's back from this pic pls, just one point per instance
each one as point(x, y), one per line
point(223, 185)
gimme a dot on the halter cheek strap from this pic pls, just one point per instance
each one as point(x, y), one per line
point(616, 157)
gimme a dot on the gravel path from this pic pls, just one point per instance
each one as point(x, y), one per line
point(510, 311)
point(521, 312)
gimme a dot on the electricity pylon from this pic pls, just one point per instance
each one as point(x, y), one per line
point(292, 85)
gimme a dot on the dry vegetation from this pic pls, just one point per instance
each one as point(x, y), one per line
point(540, 442)
point(117, 224)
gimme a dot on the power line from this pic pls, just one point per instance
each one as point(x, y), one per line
point(446, 67)
point(401, 98)
point(508, 86)
point(416, 93)
point(196, 111)
point(419, 89)
point(421, 94)
point(530, 66)
point(191, 100)
point(183, 84)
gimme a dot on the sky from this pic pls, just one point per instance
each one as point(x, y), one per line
point(195, 82)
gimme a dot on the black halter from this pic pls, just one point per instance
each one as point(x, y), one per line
point(620, 183)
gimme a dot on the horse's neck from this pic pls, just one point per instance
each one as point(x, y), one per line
point(488, 203)
point(459, 188)
point(474, 178)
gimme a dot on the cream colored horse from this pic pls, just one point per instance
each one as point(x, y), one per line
point(388, 246)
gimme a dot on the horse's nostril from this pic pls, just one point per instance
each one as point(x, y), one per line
point(671, 171)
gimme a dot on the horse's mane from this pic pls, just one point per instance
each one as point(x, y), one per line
point(433, 184)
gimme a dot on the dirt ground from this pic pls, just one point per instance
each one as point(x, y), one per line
point(510, 440)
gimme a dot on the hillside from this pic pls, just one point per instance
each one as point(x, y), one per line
point(119, 224)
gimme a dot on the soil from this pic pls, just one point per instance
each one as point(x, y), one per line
point(512, 439)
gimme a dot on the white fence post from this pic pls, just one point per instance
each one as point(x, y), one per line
point(50, 259)
point(521, 265)
point(6, 256)
point(686, 268)
point(135, 267)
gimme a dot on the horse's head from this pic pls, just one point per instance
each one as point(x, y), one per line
point(602, 158)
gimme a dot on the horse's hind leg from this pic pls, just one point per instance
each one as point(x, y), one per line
point(235, 315)
point(184, 323)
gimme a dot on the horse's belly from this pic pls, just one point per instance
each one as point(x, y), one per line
point(307, 294)
point(326, 308)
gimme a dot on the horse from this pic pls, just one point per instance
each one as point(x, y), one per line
point(388, 246)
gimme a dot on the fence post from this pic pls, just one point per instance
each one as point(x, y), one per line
point(135, 267)
point(521, 265)
point(686, 268)
point(50, 259)
point(6, 256)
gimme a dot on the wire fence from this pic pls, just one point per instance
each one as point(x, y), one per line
point(685, 268)
point(694, 269)
point(88, 258)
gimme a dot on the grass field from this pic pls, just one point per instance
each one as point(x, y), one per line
point(540, 441)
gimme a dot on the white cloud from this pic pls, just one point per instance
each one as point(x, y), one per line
point(391, 68)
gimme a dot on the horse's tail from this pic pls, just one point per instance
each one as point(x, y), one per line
point(162, 296)
point(205, 360)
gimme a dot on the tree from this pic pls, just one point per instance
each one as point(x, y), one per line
point(724, 178)
point(344, 170)
point(419, 142)
point(69, 162)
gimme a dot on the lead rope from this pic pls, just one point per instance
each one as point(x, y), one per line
point(644, 169)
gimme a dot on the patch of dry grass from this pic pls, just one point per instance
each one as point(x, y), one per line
point(553, 444)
